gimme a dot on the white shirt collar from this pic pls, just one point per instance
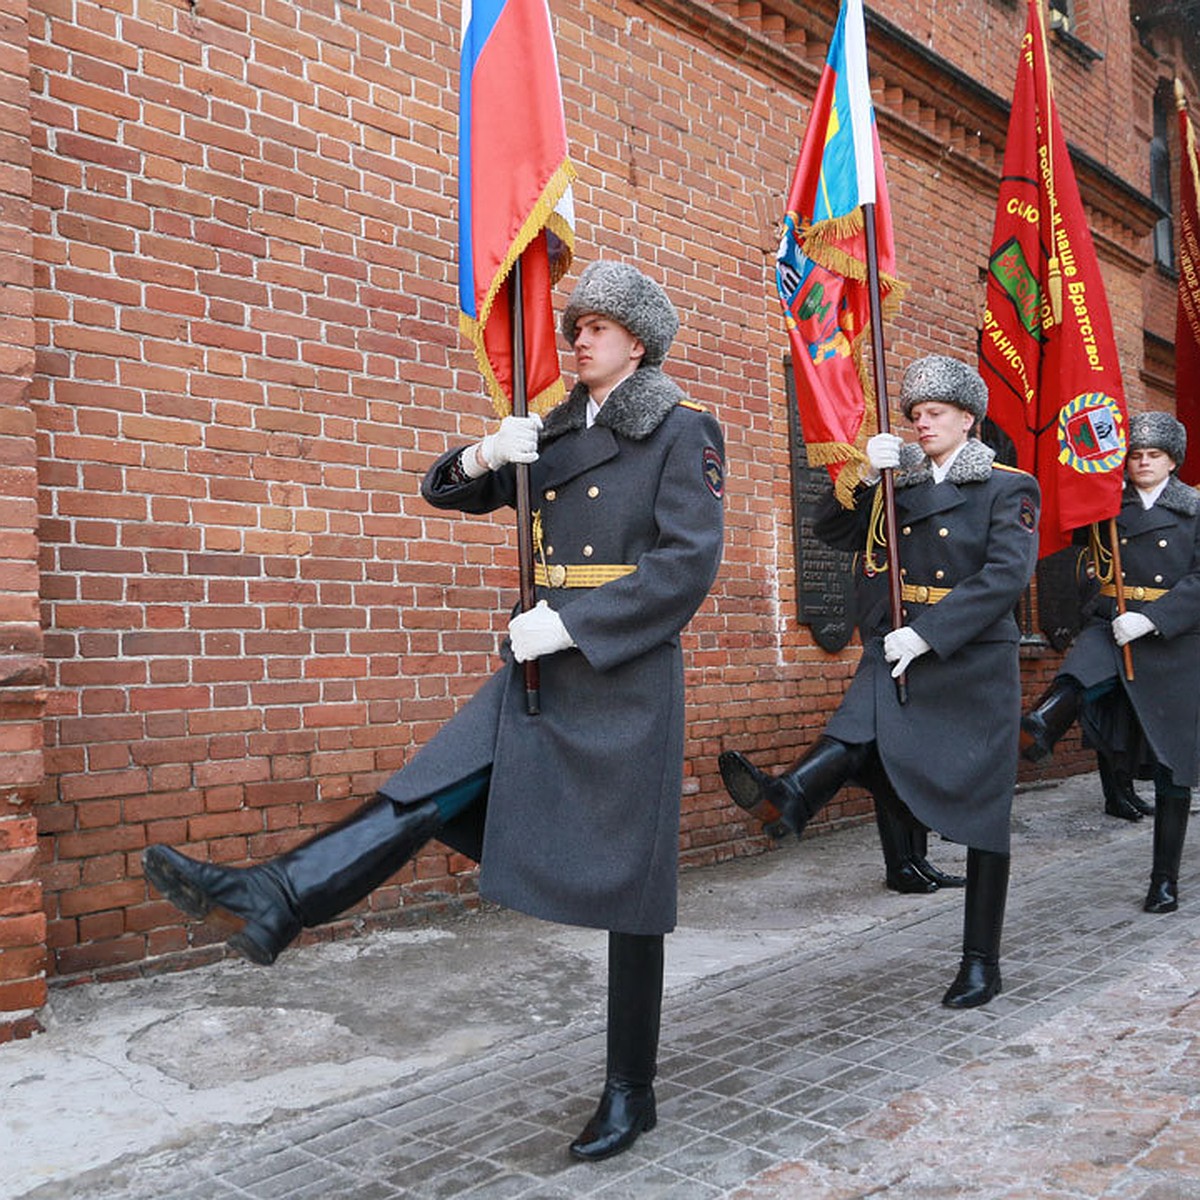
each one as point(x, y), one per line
point(940, 473)
point(593, 411)
point(1149, 495)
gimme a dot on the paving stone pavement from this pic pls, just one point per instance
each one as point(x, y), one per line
point(825, 1070)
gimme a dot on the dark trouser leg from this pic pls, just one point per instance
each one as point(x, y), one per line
point(316, 881)
point(1120, 800)
point(627, 1107)
point(978, 978)
point(1172, 804)
point(1050, 718)
point(797, 795)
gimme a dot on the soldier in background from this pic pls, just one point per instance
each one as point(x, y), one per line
point(967, 528)
point(573, 814)
point(1147, 727)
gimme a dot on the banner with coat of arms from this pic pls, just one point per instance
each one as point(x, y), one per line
point(1047, 351)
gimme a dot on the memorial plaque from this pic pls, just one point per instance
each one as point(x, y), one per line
point(824, 576)
point(1059, 595)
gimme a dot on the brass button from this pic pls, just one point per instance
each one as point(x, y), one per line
point(1137, 593)
point(593, 492)
point(550, 494)
point(588, 552)
point(922, 596)
point(943, 532)
point(549, 551)
point(1158, 579)
point(939, 574)
point(1162, 542)
point(1124, 541)
point(906, 529)
point(557, 575)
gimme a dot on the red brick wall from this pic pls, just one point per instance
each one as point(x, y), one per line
point(22, 670)
point(244, 226)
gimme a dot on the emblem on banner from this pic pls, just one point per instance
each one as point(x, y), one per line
point(1091, 434)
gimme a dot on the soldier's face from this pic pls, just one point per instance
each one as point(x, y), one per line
point(1148, 468)
point(605, 353)
point(940, 428)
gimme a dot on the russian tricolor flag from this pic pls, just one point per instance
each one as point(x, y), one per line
point(514, 191)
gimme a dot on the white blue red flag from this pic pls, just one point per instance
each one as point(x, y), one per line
point(514, 192)
point(821, 266)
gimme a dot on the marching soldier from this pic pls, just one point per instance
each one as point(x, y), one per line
point(1147, 727)
point(968, 544)
point(573, 814)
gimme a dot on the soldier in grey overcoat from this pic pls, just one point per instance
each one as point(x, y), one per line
point(573, 813)
point(1147, 727)
point(967, 533)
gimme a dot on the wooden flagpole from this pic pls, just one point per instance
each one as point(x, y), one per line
point(879, 367)
point(520, 408)
point(1119, 590)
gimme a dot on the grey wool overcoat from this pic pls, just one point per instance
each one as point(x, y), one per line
point(1160, 549)
point(950, 752)
point(582, 817)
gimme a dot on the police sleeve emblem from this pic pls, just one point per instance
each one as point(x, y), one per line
point(714, 472)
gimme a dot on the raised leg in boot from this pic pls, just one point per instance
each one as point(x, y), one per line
point(313, 883)
point(1172, 804)
point(627, 1107)
point(796, 796)
point(1120, 800)
point(978, 978)
point(1050, 718)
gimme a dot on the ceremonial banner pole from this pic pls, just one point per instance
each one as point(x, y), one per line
point(1119, 588)
point(879, 369)
point(520, 408)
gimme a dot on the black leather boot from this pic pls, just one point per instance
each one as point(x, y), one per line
point(919, 849)
point(797, 795)
point(627, 1108)
point(895, 827)
point(1172, 804)
point(1050, 718)
point(307, 886)
point(978, 978)
point(1120, 800)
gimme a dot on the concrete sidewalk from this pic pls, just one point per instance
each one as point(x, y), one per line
point(805, 1052)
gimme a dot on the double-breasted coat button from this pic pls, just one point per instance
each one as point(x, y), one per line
point(943, 532)
point(907, 529)
point(939, 574)
point(593, 492)
point(1158, 579)
point(550, 494)
point(1162, 542)
point(588, 552)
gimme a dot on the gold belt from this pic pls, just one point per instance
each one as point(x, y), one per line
point(579, 575)
point(1133, 591)
point(918, 593)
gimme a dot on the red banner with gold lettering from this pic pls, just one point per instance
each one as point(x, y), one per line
point(1187, 314)
point(1047, 350)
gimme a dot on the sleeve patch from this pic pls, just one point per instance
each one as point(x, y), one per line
point(713, 471)
point(1028, 515)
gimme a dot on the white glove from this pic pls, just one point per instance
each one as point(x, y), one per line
point(1131, 625)
point(901, 646)
point(538, 632)
point(883, 451)
point(516, 441)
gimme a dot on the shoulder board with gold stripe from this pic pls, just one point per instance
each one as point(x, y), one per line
point(1011, 470)
point(692, 405)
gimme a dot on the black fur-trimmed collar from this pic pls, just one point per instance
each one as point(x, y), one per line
point(973, 465)
point(1177, 497)
point(635, 408)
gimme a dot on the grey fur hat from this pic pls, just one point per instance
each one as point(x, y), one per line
point(936, 377)
point(621, 292)
point(1158, 431)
